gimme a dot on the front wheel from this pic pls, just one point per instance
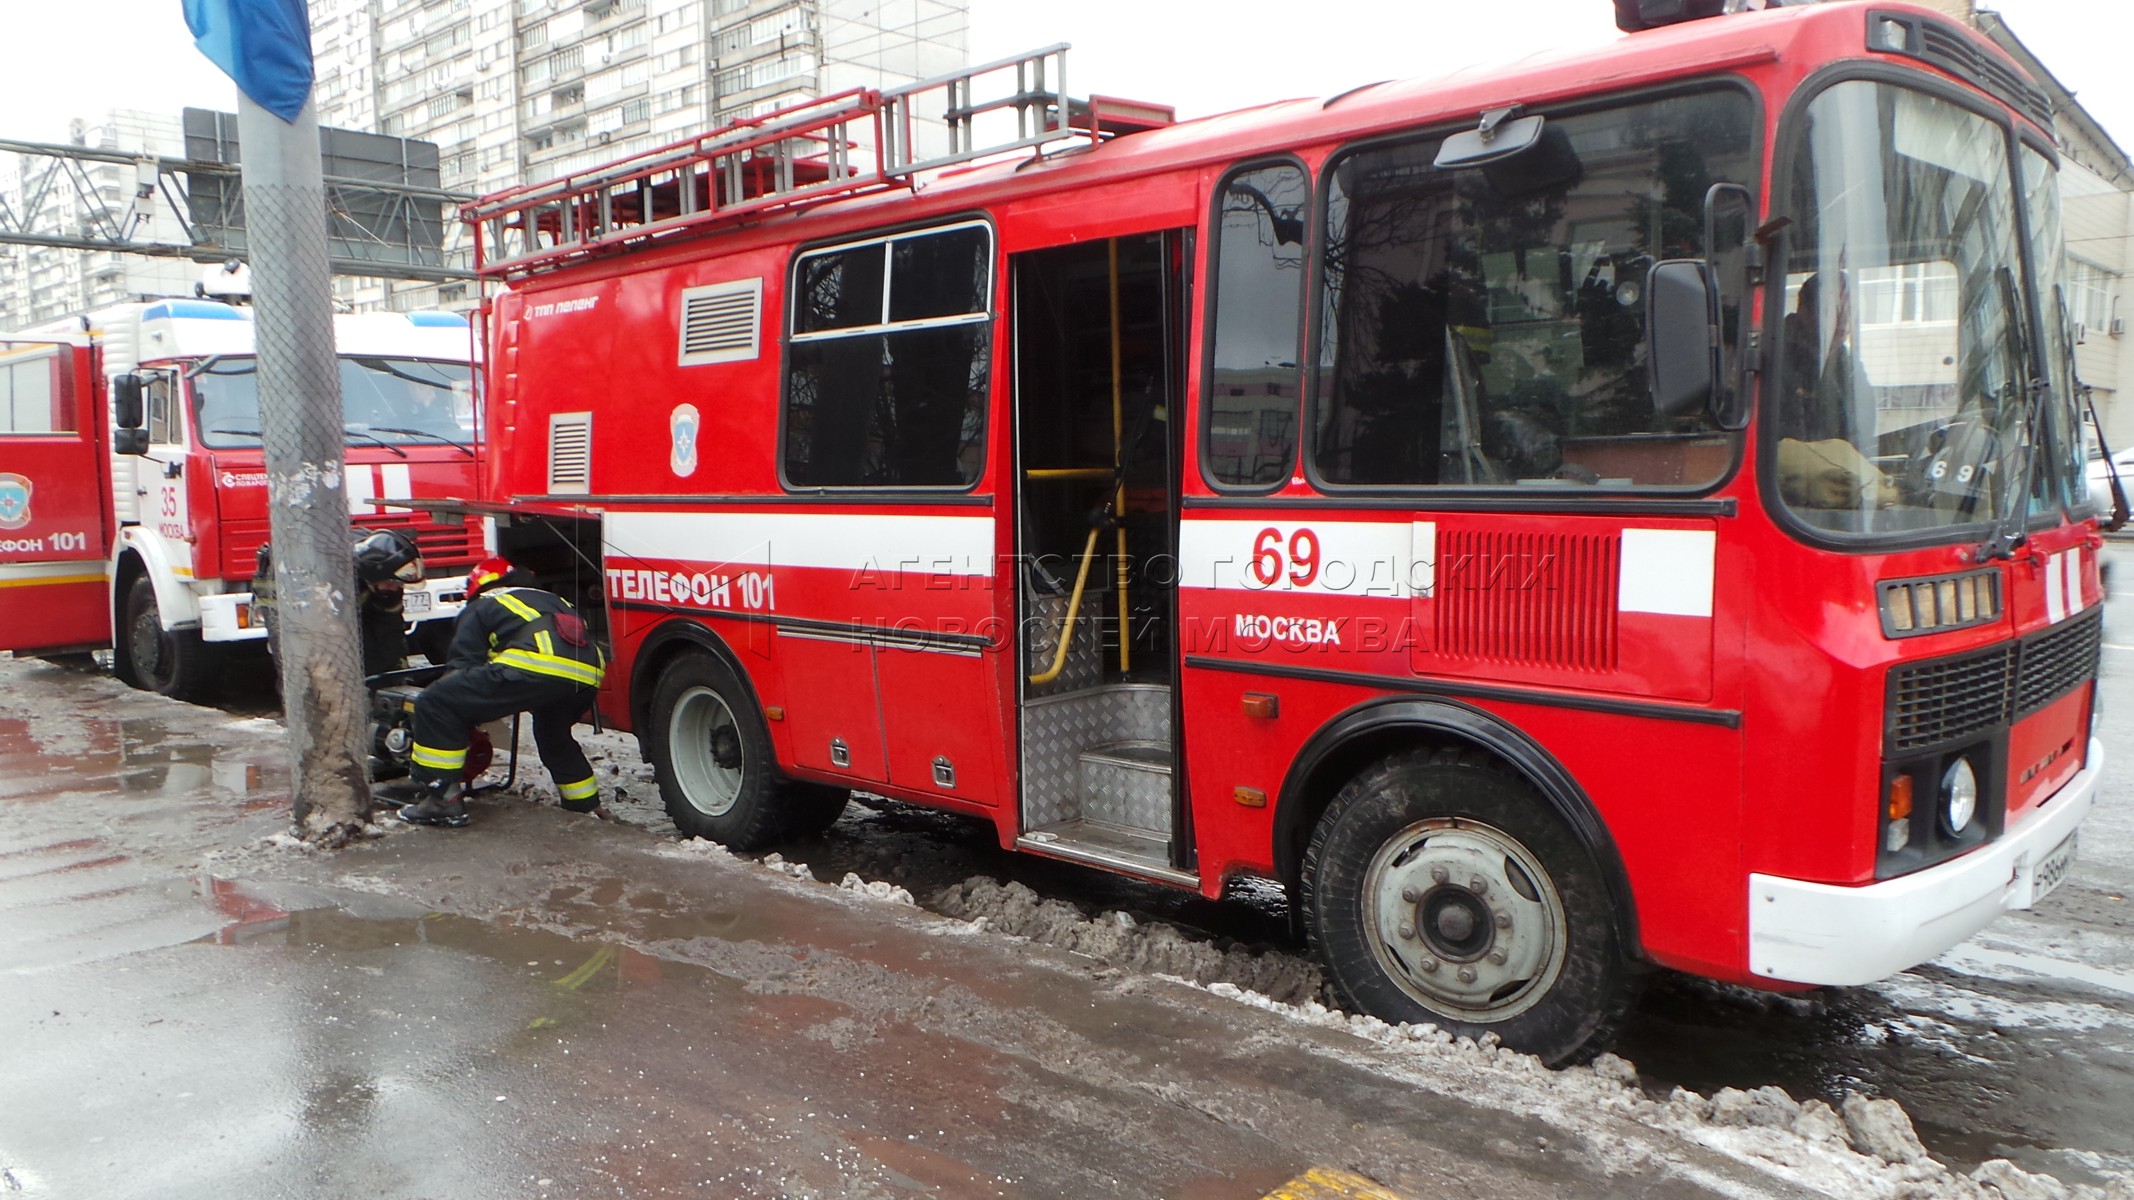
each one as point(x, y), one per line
point(712, 758)
point(174, 662)
point(1440, 889)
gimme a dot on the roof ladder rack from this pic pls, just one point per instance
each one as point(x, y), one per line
point(849, 142)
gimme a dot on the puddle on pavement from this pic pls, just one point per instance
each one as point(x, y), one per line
point(543, 956)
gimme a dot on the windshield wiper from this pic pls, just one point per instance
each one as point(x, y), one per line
point(2011, 521)
point(463, 447)
point(352, 431)
point(238, 430)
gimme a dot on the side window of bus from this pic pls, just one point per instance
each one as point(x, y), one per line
point(31, 400)
point(1485, 326)
point(163, 427)
point(886, 377)
point(1259, 308)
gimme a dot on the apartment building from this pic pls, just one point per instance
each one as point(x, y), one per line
point(89, 199)
point(515, 91)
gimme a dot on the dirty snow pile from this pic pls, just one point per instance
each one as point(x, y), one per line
point(1865, 1147)
point(1117, 939)
point(876, 890)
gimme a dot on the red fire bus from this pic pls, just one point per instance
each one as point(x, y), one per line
point(1622, 510)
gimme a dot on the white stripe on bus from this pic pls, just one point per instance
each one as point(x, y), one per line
point(930, 545)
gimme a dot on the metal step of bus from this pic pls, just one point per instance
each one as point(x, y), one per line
point(1131, 851)
point(1127, 784)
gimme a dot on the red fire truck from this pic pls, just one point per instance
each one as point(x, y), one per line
point(1622, 510)
point(133, 485)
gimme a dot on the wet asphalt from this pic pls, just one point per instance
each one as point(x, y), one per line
point(545, 1005)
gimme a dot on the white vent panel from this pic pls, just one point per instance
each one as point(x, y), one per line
point(570, 454)
point(722, 323)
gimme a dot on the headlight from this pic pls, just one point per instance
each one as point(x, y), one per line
point(1959, 797)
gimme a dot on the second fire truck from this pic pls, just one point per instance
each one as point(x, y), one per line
point(133, 485)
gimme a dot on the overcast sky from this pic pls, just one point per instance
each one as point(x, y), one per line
point(1200, 57)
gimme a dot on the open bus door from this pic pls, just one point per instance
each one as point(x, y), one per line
point(1097, 332)
point(55, 500)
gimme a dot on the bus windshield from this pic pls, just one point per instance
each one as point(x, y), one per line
point(396, 401)
point(1904, 372)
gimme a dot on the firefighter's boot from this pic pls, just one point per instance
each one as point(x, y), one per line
point(441, 804)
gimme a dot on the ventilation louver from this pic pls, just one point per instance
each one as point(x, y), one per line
point(570, 454)
point(721, 323)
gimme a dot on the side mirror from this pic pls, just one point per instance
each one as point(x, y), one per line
point(1682, 336)
point(130, 441)
point(127, 411)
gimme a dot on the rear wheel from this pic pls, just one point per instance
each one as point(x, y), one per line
point(712, 758)
point(174, 662)
point(1439, 888)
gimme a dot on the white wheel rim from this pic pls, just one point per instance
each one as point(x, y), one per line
point(1464, 919)
point(701, 720)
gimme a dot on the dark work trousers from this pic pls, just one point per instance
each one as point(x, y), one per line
point(446, 710)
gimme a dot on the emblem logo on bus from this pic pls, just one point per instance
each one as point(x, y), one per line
point(683, 425)
point(14, 500)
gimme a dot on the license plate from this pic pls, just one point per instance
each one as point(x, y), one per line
point(415, 602)
point(2053, 870)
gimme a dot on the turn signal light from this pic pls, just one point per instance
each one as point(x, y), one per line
point(1263, 705)
point(1900, 798)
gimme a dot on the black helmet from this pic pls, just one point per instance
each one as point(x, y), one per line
point(387, 554)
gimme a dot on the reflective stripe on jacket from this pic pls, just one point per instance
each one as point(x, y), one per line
point(528, 630)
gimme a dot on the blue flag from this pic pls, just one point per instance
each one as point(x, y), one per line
point(265, 45)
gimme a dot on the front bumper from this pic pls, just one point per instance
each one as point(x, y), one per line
point(1824, 933)
point(233, 617)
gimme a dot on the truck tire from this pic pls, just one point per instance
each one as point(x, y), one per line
point(712, 758)
point(1439, 888)
point(174, 662)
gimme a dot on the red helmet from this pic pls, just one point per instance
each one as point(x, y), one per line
point(484, 573)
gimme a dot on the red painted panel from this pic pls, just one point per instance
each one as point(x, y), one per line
point(2046, 749)
point(937, 704)
point(55, 518)
point(829, 694)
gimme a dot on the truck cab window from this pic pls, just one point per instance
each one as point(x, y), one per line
point(1899, 404)
point(164, 428)
point(1485, 326)
point(29, 400)
point(1259, 307)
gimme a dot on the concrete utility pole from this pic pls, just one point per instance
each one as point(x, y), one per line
point(300, 426)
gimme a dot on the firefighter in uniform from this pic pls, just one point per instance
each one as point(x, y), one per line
point(515, 649)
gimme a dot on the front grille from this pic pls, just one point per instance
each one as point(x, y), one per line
point(446, 549)
point(450, 544)
point(2055, 663)
point(1945, 700)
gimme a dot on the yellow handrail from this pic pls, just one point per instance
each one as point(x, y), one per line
point(1074, 605)
point(1118, 451)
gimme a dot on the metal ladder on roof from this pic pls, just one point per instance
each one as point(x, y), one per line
point(849, 142)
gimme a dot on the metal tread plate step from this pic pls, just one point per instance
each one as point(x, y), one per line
point(1154, 757)
point(1135, 851)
